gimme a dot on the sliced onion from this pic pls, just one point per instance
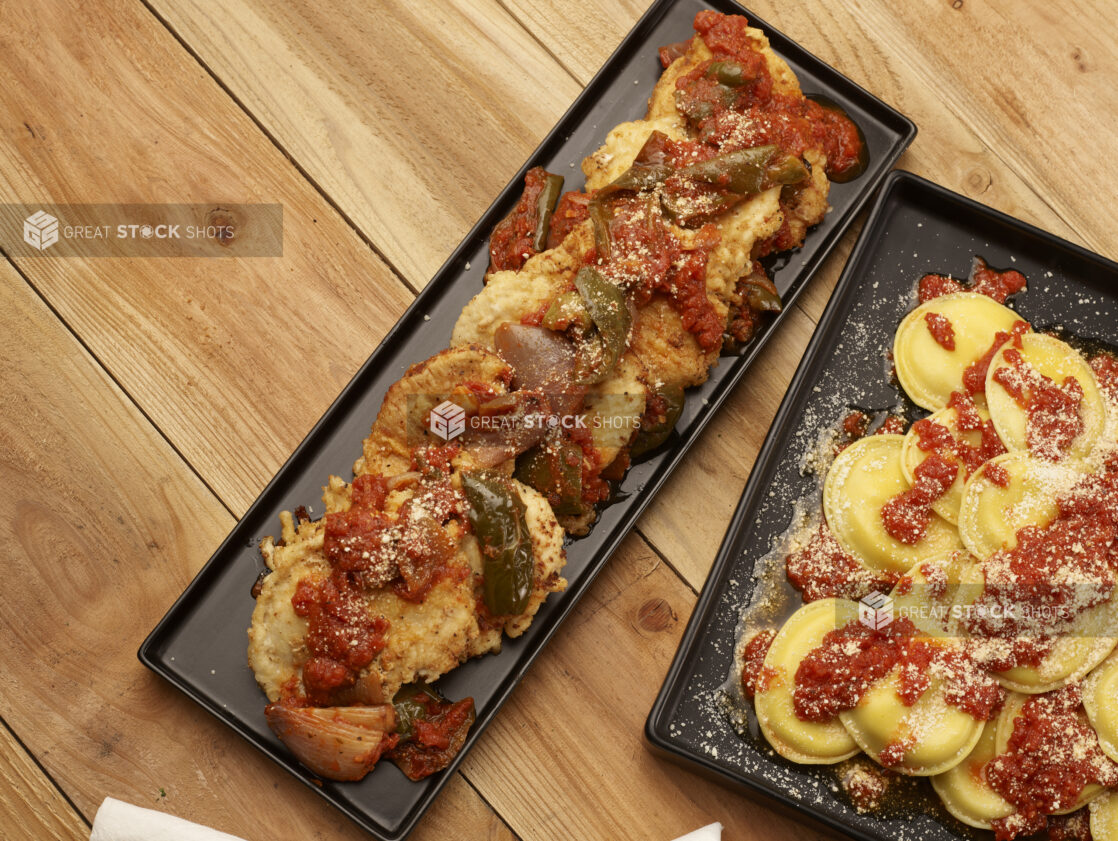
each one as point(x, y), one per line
point(367, 690)
point(403, 480)
point(338, 743)
point(518, 426)
point(542, 360)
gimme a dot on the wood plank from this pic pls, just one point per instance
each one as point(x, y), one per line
point(1041, 92)
point(580, 35)
point(411, 117)
point(566, 758)
point(234, 360)
point(30, 805)
point(105, 525)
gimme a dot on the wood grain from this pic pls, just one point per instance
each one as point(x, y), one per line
point(406, 118)
point(30, 805)
point(104, 526)
point(1041, 92)
point(411, 117)
point(233, 359)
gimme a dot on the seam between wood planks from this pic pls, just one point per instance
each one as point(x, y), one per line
point(42, 770)
point(537, 39)
point(488, 805)
point(664, 559)
point(353, 226)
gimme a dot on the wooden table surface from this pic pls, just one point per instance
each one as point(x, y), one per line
point(146, 402)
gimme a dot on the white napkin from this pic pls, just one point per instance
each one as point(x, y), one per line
point(710, 832)
point(119, 821)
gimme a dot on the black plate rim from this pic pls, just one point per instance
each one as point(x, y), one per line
point(656, 730)
point(886, 115)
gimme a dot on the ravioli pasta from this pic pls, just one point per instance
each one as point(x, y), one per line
point(809, 742)
point(864, 477)
point(1048, 357)
point(989, 664)
point(912, 456)
point(928, 370)
point(1008, 493)
point(927, 736)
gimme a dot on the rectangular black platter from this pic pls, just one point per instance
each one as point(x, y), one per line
point(200, 644)
point(915, 227)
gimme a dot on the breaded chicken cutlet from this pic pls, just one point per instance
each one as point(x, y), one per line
point(600, 307)
point(729, 164)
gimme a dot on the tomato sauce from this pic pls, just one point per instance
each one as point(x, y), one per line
point(934, 286)
point(342, 637)
point(1052, 755)
point(822, 569)
point(857, 423)
point(1105, 367)
point(1073, 827)
point(932, 437)
point(753, 113)
point(834, 676)
point(368, 491)
point(595, 489)
point(366, 549)
point(572, 210)
point(974, 377)
point(753, 661)
point(535, 318)
point(865, 783)
point(998, 475)
point(355, 541)
point(670, 52)
point(1056, 571)
point(967, 418)
point(992, 283)
point(648, 258)
point(940, 328)
point(906, 516)
point(995, 284)
point(892, 425)
point(893, 753)
point(436, 737)
point(412, 547)
point(436, 459)
point(1052, 414)
point(511, 243)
